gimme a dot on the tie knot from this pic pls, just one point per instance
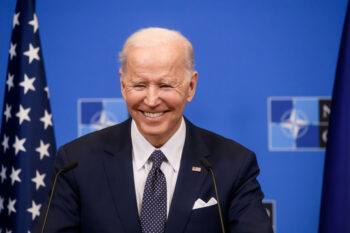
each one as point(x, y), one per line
point(157, 158)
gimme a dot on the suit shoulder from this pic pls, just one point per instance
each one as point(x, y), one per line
point(216, 142)
point(100, 137)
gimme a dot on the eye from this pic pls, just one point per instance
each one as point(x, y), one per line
point(165, 86)
point(139, 86)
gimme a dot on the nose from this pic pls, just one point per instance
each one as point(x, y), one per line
point(152, 96)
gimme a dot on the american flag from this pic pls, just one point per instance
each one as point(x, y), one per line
point(27, 138)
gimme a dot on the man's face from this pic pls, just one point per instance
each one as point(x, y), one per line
point(156, 89)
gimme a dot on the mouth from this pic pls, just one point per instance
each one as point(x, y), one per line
point(153, 114)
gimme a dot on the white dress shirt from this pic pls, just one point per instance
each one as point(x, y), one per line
point(142, 164)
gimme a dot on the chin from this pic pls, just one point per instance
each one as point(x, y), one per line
point(152, 131)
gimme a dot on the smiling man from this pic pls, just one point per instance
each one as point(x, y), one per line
point(157, 81)
point(144, 175)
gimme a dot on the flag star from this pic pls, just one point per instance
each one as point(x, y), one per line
point(15, 176)
point(18, 145)
point(39, 180)
point(32, 53)
point(34, 210)
point(1, 203)
point(46, 119)
point(22, 114)
point(46, 89)
point(34, 23)
point(9, 81)
point(3, 174)
point(5, 143)
point(7, 112)
point(43, 149)
point(15, 20)
point(12, 51)
point(27, 84)
point(11, 206)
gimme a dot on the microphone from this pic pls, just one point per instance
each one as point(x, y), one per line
point(62, 170)
point(208, 166)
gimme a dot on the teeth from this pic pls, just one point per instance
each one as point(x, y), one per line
point(154, 114)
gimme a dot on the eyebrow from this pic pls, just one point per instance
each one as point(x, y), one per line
point(166, 81)
point(137, 81)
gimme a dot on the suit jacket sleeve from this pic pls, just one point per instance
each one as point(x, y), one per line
point(246, 212)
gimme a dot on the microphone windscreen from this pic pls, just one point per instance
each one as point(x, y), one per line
point(69, 166)
point(205, 163)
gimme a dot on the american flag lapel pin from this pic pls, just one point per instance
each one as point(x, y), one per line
point(196, 169)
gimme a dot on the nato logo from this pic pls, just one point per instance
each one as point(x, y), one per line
point(270, 207)
point(298, 123)
point(96, 114)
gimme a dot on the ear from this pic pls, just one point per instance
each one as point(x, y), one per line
point(122, 84)
point(192, 86)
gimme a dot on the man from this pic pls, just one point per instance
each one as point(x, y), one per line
point(145, 175)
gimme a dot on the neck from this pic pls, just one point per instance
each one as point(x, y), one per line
point(157, 141)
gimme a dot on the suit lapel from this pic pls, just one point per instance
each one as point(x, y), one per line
point(119, 172)
point(188, 182)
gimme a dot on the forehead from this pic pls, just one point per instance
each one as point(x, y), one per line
point(160, 56)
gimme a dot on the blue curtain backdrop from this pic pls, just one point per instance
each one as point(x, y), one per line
point(246, 52)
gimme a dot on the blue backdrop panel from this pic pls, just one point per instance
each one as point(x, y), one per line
point(246, 52)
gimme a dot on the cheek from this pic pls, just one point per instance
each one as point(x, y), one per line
point(173, 99)
point(133, 98)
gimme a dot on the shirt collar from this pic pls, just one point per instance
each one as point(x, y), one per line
point(172, 149)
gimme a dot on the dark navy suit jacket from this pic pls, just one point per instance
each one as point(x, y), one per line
point(99, 195)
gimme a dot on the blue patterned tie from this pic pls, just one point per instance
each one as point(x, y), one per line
point(154, 203)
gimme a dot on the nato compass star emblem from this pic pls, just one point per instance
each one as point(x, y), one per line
point(298, 123)
point(96, 114)
point(294, 123)
point(103, 119)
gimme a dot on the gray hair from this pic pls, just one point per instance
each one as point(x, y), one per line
point(156, 36)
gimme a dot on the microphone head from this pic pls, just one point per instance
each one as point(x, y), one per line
point(70, 166)
point(205, 163)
